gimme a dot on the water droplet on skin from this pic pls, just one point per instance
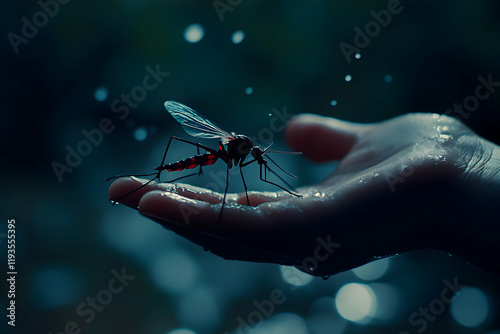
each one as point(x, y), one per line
point(444, 138)
point(439, 158)
point(325, 277)
point(362, 181)
point(376, 175)
point(404, 169)
point(443, 134)
point(311, 268)
point(114, 202)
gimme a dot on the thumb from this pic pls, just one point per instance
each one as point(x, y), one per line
point(323, 138)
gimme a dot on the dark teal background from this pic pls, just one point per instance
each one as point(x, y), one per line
point(69, 238)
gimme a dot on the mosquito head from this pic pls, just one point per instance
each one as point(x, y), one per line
point(257, 153)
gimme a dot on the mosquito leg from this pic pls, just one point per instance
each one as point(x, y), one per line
point(225, 193)
point(244, 185)
point(198, 150)
point(274, 184)
point(131, 191)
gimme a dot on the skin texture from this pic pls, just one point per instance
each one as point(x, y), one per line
point(411, 182)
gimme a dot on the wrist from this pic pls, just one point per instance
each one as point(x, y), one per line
point(474, 229)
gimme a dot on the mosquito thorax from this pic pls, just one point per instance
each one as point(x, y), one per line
point(244, 144)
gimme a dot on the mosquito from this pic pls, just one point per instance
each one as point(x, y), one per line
point(233, 150)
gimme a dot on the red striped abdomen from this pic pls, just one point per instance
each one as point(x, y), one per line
point(190, 163)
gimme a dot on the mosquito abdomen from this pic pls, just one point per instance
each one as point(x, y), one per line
point(190, 163)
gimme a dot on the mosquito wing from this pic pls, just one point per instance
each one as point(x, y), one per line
point(195, 124)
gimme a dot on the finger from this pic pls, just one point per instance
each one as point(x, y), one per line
point(122, 191)
point(323, 138)
point(128, 191)
point(190, 209)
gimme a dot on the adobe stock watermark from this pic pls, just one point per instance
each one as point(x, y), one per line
point(265, 308)
point(121, 107)
point(482, 92)
point(30, 28)
point(87, 309)
point(372, 29)
point(222, 6)
point(277, 124)
point(420, 319)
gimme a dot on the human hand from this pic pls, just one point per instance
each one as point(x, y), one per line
point(389, 194)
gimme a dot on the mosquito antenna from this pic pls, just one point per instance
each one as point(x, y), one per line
point(267, 147)
point(284, 152)
point(279, 177)
point(284, 171)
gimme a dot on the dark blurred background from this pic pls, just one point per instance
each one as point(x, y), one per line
point(68, 65)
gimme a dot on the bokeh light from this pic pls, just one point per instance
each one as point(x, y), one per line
point(194, 33)
point(348, 78)
point(174, 271)
point(294, 276)
point(282, 323)
point(238, 36)
point(101, 93)
point(356, 302)
point(373, 270)
point(181, 331)
point(199, 309)
point(140, 133)
point(387, 300)
point(470, 307)
point(249, 90)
